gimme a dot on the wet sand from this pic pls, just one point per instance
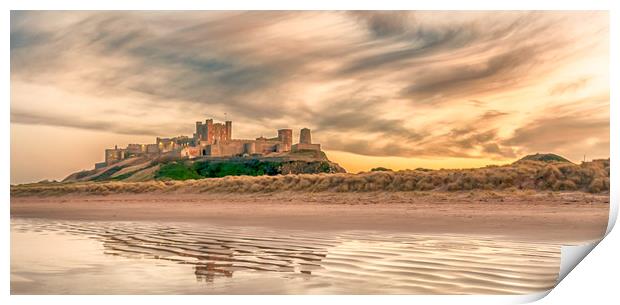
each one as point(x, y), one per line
point(193, 258)
point(534, 216)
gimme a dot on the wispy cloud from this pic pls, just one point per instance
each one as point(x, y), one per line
point(391, 83)
point(31, 118)
point(569, 87)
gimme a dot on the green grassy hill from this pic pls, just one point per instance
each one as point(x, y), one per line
point(137, 169)
point(544, 158)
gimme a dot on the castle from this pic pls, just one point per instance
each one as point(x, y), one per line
point(213, 140)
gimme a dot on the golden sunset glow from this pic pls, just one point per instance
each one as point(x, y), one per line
point(399, 89)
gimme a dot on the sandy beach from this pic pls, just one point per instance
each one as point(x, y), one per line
point(567, 217)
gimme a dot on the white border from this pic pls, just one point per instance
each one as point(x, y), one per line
point(590, 276)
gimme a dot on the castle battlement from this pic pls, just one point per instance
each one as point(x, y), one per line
point(213, 140)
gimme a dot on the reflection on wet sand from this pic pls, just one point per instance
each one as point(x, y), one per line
point(314, 262)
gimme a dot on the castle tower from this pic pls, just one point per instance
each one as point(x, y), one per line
point(304, 136)
point(286, 137)
point(228, 130)
point(208, 131)
point(198, 134)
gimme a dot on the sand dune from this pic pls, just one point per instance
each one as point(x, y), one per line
point(524, 175)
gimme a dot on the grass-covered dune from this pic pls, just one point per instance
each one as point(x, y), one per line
point(522, 175)
point(183, 170)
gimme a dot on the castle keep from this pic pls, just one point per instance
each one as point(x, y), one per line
point(213, 140)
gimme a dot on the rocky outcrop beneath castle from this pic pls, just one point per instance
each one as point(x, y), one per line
point(304, 167)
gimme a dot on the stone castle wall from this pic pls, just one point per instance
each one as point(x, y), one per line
point(214, 139)
point(303, 146)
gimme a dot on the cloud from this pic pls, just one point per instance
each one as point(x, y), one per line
point(553, 132)
point(389, 83)
point(392, 148)
point(424, 40)
point(569, 135)
point(492, 114)
point(385, 23)
point(389, 138)
point(30, 118)
point(475, 137)
point(478, 143)
point(569, 87)
point(475, 103)
point(190, 63)
point(495, 73)
point(363, 118)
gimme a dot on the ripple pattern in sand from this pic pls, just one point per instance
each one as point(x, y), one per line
point(331, 262)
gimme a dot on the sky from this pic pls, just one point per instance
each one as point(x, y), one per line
point(398, 89)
